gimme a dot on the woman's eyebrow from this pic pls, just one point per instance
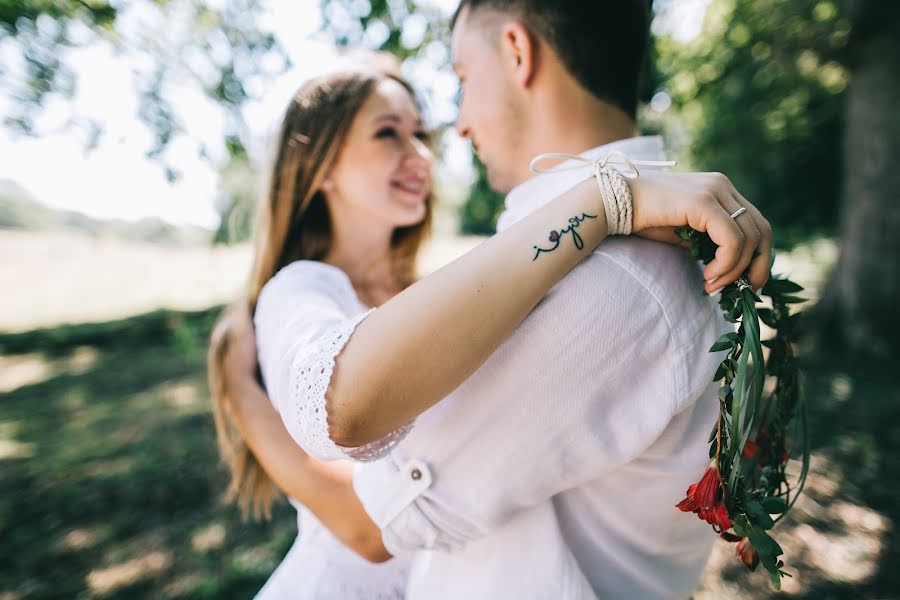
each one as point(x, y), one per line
point(388, 117)
point(394, 117)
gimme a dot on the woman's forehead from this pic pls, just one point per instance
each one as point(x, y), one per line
point(390, 97)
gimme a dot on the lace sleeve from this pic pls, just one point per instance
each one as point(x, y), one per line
point(310, 374)
point(304, 317)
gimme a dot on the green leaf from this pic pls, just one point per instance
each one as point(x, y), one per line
point(791, 299)
point(774, 505)
point(767, 316)
point(725, 394)
point(721, 371)
point(683, 233)
point(726, 342)
point(775, 578)
point(764, 543)
point(760, 515)
point(781, 286)
point(740, 527)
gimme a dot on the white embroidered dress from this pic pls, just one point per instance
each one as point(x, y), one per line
point(304, 317)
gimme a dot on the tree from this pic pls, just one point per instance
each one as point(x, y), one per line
point(761, 91)
point(213, 47)
point(859, 310)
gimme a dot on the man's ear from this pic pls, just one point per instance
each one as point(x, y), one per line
point(520, 49)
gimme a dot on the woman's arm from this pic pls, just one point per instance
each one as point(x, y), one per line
point(423, 343)
point(325, 488)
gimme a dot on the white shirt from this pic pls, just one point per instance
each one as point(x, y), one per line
point(552, 472)
point(598, 407)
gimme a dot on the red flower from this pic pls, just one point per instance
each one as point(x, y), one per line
point(703, 494)
point(750, 449)
point(749, 555)
point(717, 517)
point(705, 499)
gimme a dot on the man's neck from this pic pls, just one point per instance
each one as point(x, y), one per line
point(573, 121)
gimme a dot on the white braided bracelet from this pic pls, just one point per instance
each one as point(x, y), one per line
point(617, 198)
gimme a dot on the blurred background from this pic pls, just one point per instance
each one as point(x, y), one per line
point(134, 136)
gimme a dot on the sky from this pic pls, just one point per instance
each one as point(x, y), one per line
point(115, 180)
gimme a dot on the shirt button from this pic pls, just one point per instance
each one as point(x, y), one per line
point(416, 474)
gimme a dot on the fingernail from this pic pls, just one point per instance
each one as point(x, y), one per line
point(712, 280)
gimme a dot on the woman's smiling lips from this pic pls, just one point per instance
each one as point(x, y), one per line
point(411, 185)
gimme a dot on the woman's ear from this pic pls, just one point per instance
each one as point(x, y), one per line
point(520, 49)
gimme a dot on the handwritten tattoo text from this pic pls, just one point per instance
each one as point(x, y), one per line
point(556, 236)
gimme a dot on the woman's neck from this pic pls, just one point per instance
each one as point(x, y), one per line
point(368, 263)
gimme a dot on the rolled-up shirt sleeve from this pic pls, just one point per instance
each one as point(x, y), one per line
point(304, 317)
point(574, 393)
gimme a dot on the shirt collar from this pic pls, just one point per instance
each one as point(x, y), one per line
point(530, 195)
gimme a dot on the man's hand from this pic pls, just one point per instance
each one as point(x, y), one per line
point(664, 201)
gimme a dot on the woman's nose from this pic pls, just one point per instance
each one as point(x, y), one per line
point(419, 151)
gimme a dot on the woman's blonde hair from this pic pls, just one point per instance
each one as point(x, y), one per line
point(293, 224)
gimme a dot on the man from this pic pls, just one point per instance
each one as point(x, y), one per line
point(564, 455)
point(554, 470)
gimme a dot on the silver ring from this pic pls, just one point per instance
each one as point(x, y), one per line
point(738, 212)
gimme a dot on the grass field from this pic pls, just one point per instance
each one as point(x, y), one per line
point(110, 485)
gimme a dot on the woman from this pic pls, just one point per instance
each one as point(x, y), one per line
point(348, 207)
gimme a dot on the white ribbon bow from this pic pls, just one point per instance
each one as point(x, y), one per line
point(615, 156)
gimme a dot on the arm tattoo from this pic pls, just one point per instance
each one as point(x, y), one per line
point(556, 236)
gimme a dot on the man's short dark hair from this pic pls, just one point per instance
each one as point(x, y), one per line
point(603, 43)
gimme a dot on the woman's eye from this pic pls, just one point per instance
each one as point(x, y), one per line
point(423, 135)
point(386, 132)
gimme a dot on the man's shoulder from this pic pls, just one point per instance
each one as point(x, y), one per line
point(630, 274)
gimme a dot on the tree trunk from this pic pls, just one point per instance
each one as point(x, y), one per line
point(860, 309)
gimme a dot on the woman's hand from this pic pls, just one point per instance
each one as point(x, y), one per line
point(664, 201)
point(241, 364)
point(324, 488)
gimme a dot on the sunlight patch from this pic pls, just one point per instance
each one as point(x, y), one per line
point(9, 446)
point(105, 580)
point(82, 359)
point(81, 538)
point(22, 370)
point(180, 394)
point(209, 538)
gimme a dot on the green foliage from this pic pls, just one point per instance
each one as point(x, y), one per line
point(753, 478)
point(111, 481)
point(221, 47)
point(16, 14)
point(761, 90)
point(402, 28)
point(478, 215)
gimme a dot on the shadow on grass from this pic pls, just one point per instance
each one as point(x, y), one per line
point(115, 488)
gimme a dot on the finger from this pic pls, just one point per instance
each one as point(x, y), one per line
point(711, 217)
point(761, 264)
point(752, 237)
